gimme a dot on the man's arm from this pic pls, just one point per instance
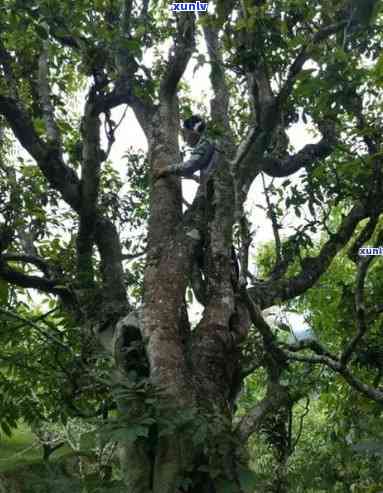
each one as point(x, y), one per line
point(200, 157)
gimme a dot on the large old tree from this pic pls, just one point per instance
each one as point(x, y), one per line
point(66, 221)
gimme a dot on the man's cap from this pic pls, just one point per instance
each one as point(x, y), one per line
point(195, 123)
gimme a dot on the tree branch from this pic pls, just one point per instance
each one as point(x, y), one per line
point(270, 292)
point(362, 327)
point(276, 396)
point(40, 283)
point(274, 222)
point(220, 102)
point(179, 55)
point(364, 235)
point(303, 56)
point(370, 392)
point(305, 158)
point(127, 66)
point(277, 361)
point(109, 247)
point(269, 114)
point(38, 262)
point(90, 182)
point(245, 146)
point(52, 129)
point(301, 419)
point(59, 175)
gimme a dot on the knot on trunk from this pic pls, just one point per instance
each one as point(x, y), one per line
point(123, 340)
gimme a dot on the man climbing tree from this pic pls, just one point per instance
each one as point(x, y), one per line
point(203, 157)
point(66, 224)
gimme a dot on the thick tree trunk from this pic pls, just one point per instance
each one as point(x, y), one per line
point(195, 369)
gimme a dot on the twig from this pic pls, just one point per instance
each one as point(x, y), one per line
point(132, 256)
point(363, 266)
point(302, 417)
point(40, 317)
point(110, 129)
point(274, 221)
point(37, 328)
